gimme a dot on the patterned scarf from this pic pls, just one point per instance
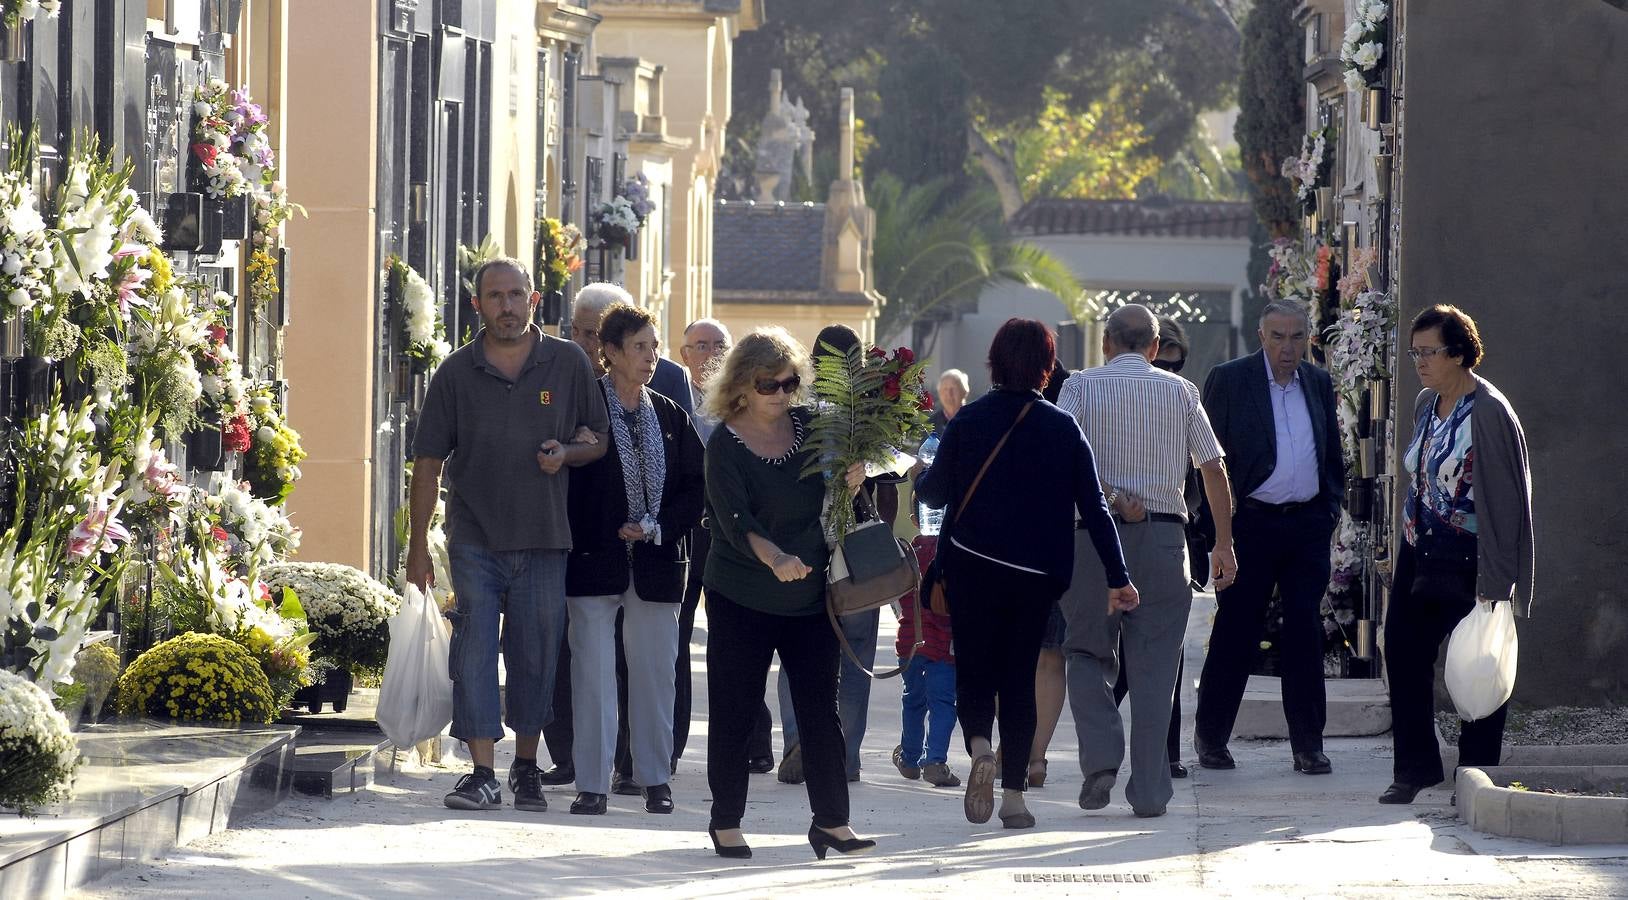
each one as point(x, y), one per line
point(644, 459)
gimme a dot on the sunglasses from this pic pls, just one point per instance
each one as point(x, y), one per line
point(768, 386)
point(1168, 366)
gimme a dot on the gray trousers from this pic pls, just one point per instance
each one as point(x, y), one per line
point(650, 639)
point(1156, 554)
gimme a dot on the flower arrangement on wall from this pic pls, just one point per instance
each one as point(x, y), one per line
point(616, 222)
point(424, 331)
point(27, 248)
point(273, 462)
point(1363, 47)
point(560, 253)
point(1314, 167)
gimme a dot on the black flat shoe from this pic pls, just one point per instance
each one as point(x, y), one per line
point(821, 840)
point(658, 799)
point(1177, 770)
point(1216, 759)
point(623, 786)
point(556, 775)
point(760, 765)
point(588, 804)
point(740, 851)
point(1400, 793)
point(1313, 763)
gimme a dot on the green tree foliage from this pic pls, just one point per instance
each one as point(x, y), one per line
point(936, 251)
point(1100, 152)
point(921, 134)
point(1272, 111)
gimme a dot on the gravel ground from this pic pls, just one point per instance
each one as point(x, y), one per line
point(1554, 726)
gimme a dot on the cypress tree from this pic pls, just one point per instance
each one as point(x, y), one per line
point(1271, 110)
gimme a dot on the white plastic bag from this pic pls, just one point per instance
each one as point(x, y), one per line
point(1481, 658)
point(415, 699)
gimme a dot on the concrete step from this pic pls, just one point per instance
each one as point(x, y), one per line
point(1357, 707)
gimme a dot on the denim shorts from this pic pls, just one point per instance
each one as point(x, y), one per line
point(1056, 628)
point(513, 600)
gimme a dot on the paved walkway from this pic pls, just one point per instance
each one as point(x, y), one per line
point(1260, 830)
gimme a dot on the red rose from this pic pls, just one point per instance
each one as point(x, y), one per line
point(926, 402)
point(877, 353)
point(905, 355)
point(217, 334)
point(220, 534)
point(890, 388)
point(205, 153)
point(235, 436)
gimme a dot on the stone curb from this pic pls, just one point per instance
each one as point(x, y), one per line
point(1535, 816)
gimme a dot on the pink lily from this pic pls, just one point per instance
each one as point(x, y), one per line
point(99, 532)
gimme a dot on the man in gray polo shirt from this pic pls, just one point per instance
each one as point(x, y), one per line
point(501, 421)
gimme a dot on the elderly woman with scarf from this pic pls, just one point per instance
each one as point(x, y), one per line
point(631, 514)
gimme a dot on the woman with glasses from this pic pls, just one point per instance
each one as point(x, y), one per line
point(765, 586)
point(1467, 539)
point(631, 513)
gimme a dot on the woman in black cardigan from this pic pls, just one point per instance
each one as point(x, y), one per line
point(631, 513)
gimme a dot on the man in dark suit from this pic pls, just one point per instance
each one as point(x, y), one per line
point(1275, 415)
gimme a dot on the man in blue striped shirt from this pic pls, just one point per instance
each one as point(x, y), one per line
point(1144, 425)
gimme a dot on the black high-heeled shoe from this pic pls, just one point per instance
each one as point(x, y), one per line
point(741, 851)
point(822, 840)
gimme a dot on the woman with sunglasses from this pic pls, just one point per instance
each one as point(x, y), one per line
point(1467, 538)
point(765, 588)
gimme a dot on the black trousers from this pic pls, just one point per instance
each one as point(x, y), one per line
point(741, 643)
point(1122, 687)
point(1288, 552)
point(1426, 603)
point(1000, 618)
point(700, 546)
point(559, 733)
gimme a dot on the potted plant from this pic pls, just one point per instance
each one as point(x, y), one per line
point(348, 611)
point(197, 677)
point(38, 753)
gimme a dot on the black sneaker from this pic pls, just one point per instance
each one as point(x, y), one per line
point(475, 792)
point(526, 780)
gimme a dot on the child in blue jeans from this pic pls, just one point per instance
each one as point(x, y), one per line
point(929, 687)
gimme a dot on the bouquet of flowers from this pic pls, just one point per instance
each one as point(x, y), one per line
point(1357, 342)
point(1364, 45)
point(424, 332)
point(225, 389)
point(156, 490)
point(27, 246)
point(615, 223)
point(1293, 275)
point(197, 677)
point(16, 12)
point(213, 133)
point(870, 404)
point(1313, 167)
point(62, 556)
point(37, 748)
point(166, 338)
point(271, 209)
point(272, 465)
point(560, 249)
point(253, 532)
point(256, 161)
point(349, 611)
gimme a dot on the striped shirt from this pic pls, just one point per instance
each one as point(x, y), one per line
point(1144, 425)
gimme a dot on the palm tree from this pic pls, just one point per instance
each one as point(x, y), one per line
point(935, 252)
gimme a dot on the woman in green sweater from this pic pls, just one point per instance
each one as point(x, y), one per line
point(765, 587)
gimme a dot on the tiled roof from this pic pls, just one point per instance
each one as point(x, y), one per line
point(1151, 218)
point(767, 247)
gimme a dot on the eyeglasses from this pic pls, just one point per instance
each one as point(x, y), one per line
point(1169, 366)
point(1421, 353)
point(768, 386)
point(713, 346)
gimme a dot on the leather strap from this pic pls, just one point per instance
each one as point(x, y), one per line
point(853, 657)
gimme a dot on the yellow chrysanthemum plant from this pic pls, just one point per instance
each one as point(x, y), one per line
point(196, 677)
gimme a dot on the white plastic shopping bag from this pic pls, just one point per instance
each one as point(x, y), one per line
point(415, 699)
point(1481, 658)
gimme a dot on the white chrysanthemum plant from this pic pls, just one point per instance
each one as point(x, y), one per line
point(1363, 47)
point(348, 610)
point(38, 752)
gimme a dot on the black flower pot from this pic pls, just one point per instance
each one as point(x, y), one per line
point(235, 218)
point(34, 382)
point(205, 451)
point(1359, 499)
point(334, 688)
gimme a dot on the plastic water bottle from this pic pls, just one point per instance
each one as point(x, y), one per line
point(932, 520)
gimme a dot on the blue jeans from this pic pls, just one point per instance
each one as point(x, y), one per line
point(929, 702)
point(525, 589)
point(853, 686)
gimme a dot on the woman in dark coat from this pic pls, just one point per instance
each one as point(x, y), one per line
point(631, 514)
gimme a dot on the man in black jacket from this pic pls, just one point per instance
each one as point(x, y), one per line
point(1275, 415)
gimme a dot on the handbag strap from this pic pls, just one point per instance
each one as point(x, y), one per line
point(848, 649)
point(971, 489)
